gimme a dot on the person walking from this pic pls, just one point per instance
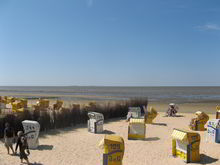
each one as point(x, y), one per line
point(23, 145)
point(9, 137)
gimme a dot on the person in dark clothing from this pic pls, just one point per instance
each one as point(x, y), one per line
point(172, 110)
point(22, 143)
point(9, 137)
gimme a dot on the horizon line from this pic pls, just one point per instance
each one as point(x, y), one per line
point(109, 86)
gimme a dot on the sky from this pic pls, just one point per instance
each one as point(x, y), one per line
point(110, 42)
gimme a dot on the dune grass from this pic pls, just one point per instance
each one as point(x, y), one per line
point(71, 116)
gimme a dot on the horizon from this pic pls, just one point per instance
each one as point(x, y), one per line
point(110, 43)
point(102, 86)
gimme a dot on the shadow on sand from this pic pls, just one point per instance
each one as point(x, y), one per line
point(204, 159)
point(60, 131)
point(174, 116)
point(179, 116)
point(35, 163)
point(147, 139)
point(107, 132)
point(45, 147)
point(152, 139)
point(160, 124)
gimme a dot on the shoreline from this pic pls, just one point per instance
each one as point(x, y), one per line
point(185, 106)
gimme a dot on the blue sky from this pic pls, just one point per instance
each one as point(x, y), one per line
point(110, 42)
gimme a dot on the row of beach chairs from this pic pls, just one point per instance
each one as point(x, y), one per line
point(185, 144)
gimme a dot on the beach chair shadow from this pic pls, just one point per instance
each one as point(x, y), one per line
point(152, 139)
point(179, 116)
point(49, 132)
point(174, 116)
point(36, 163)
point(160, 124)
point(45, 147)
point(204, 159)
point(107, 132)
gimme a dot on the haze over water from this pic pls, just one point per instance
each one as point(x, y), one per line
point(158, 94)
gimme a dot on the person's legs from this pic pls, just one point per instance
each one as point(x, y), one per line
point(21, 160)
point(6, 145)
point(7, 148)
point(27, 161)
point(12, 149)
point(23, 155)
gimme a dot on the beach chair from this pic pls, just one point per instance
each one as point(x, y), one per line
point(58, 105)
point(95, 122)
point(213, 131)
point(136, 129)
point(186, 145)
point(198, 123)
point(133, 112)
point(10, 100)
point(19, 105)
point(42, 105)
point(113, 149)
point(150, 116)
point(31, 130)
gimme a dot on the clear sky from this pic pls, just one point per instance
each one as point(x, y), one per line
point(110, 42)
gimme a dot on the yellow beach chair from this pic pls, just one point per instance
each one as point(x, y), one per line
point(198, 123)
point(136, 129)
point(58, 105)
point(150, 116)
point(113, 149)
point(186, 145)
point(19, 105)
point(42, 105)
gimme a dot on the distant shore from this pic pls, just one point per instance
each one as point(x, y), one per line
point(207, 106)
point(103, 93)
point(189, 99)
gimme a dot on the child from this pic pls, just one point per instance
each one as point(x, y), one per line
point(22, 143)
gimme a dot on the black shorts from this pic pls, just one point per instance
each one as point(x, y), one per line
point(23, 155)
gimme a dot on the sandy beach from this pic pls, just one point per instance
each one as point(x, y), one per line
point(76, 146)
point(74, 71)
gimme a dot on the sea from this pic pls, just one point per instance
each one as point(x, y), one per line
point(154, 94)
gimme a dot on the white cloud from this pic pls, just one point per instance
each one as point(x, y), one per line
point(209, 26)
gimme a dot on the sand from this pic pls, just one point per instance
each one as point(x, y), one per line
point(209, 107)
point(76, 146)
